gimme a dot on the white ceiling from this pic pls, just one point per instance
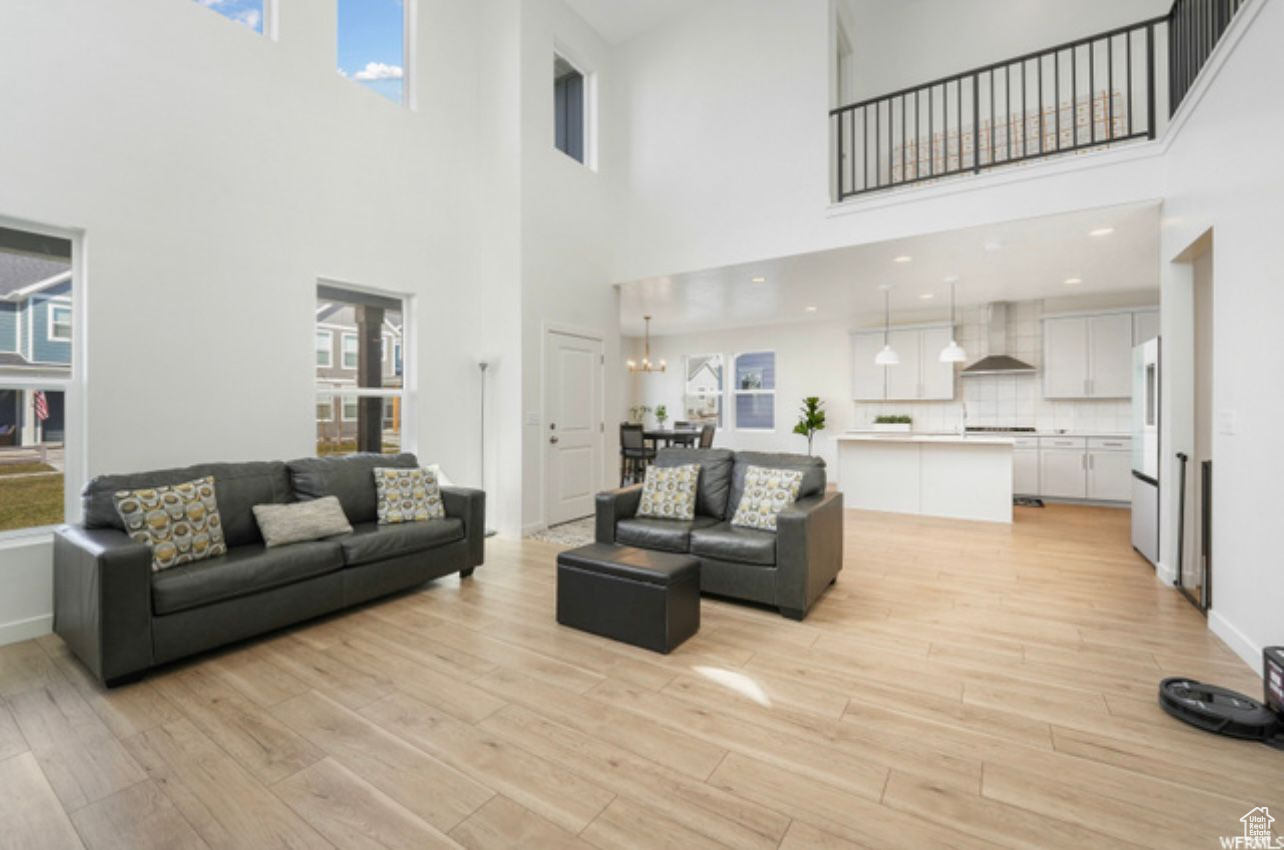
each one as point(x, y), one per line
point(618, 21)
point(1014, 261)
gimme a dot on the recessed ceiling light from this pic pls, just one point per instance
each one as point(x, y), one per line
point(1073, 281)
point(993, 246)
point(928, 296)
point(810, 309)
point(1101, 231)
point(758, 279)
point(903, 258)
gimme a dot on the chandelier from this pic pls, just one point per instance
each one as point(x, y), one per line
point(646, 365)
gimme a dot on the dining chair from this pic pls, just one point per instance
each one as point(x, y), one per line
point(706, 437)
point(635, 454)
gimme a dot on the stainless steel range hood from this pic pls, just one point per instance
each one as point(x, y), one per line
point(997, 361)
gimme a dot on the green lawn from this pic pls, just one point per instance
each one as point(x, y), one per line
point(29, 502)
point(24, 468)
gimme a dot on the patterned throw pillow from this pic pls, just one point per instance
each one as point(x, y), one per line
point(407, 495)
point(180, 522)
point(767, 493)
point(670, 492)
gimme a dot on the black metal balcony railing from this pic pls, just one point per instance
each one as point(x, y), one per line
point(1085, 94)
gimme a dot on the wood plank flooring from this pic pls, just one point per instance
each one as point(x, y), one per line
point(962, 685)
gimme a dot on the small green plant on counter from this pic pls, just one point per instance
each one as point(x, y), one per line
point(893, 420)
point(811, 418)
point(661, 415)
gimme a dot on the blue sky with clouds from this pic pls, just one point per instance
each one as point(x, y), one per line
point(371, 38)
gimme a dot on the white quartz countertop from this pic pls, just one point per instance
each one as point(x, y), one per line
point(911, 437)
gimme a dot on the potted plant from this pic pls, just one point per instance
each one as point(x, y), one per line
point(892, 423)
point(811, 418)
point(661, 415)
point(637, 414)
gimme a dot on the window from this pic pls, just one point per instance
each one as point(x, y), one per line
point(60, 322)
point(372, 45)
point(570, 112)
point(369, 394)
point(247, 12)
point(755, 391)
point(350, 353)
point(36, 289)
point(702, 395)
point(325, 349)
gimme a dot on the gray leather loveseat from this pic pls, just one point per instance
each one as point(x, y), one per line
point(787, 570)
point(120, 618)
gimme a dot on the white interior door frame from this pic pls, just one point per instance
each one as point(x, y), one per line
point(549, 329)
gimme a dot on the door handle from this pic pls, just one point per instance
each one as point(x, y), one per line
point(553, 440)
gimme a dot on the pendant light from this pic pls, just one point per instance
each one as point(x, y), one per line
point(887, 357)
point(646, 365)
point(953, 353)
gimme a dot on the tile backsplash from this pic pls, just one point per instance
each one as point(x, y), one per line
point(1005, 400)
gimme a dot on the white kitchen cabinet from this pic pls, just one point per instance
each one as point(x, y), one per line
point(1062, 474)
point(1088, 356)
point(1145, 326)
point(869, 381)
point(920, 376)
point(1109, 475)
point(1025, 472)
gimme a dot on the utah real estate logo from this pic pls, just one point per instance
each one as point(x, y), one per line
point(1257, 833)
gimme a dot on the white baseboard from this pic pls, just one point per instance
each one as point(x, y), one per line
point(1165, 574)
point(21, 630)
point(1250, 652)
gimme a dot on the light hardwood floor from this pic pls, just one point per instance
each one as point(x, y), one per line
point(962, 685)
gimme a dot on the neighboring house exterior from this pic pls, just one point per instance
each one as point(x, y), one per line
point(336, 362)
point(35, 343)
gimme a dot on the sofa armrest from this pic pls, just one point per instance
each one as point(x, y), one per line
point(470, 506)
point(809, 550)
point(613, 506)
point(103, 599)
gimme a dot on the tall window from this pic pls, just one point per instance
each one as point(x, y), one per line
point(325, 348)
point(755, 391)
point(570, 111)
point(702, 395)
point(363, 395)
point(35, 376)
point(247, 12)
point(372, 45)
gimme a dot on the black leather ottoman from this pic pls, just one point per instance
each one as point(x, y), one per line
point(649, 599)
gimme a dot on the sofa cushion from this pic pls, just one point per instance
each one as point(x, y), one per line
point(667, 535)
point(726, 542)
point(813, 469)
point(669, 492)
point(238, 488)
point(767, 492)
point(371, 542)
point(243, 571)
point(350, 478)
point(406, 495)
point(715, 476)
point(180, 523)
point(299, 522)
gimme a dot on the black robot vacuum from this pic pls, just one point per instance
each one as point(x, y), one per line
point(1226, 712)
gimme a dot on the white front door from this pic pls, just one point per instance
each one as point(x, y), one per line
point(573, 435)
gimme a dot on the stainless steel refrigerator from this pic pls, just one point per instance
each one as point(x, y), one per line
point(1145, 449)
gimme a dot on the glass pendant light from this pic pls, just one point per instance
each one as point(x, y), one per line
point(888, 356)
point(953, 353)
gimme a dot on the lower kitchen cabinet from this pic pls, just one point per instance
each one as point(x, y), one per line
point(1025, 472)
point(1109, 475)
point(1062, 473)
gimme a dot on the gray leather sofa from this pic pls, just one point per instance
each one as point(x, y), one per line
point(120, 618)
point(788, 570)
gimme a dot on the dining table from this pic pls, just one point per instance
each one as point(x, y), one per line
point(672, 436)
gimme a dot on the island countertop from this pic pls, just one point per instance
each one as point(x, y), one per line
point(912, 437)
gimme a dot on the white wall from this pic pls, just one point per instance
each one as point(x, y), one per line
point(1216, 179)
point(217, 174)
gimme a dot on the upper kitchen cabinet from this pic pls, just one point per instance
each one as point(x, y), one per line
point(920, 376)
point(1088, 356)
point(1145, 326)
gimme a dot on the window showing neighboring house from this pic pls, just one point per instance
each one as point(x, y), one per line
point(351, 355)
point(246, 12)
point(703, 391)
point(36, 309)
point(325, 410)
point(755, 391)
point(60, 322)
point(372, 45)
point(363, 389)
point(570, 110)
point(325, 349)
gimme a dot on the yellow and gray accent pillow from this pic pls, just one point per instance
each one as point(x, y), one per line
point(767, 492)
point(669, 492)
point(407, 495)
point(180, 522)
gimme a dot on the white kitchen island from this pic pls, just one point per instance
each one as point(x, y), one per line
point(955, 476)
